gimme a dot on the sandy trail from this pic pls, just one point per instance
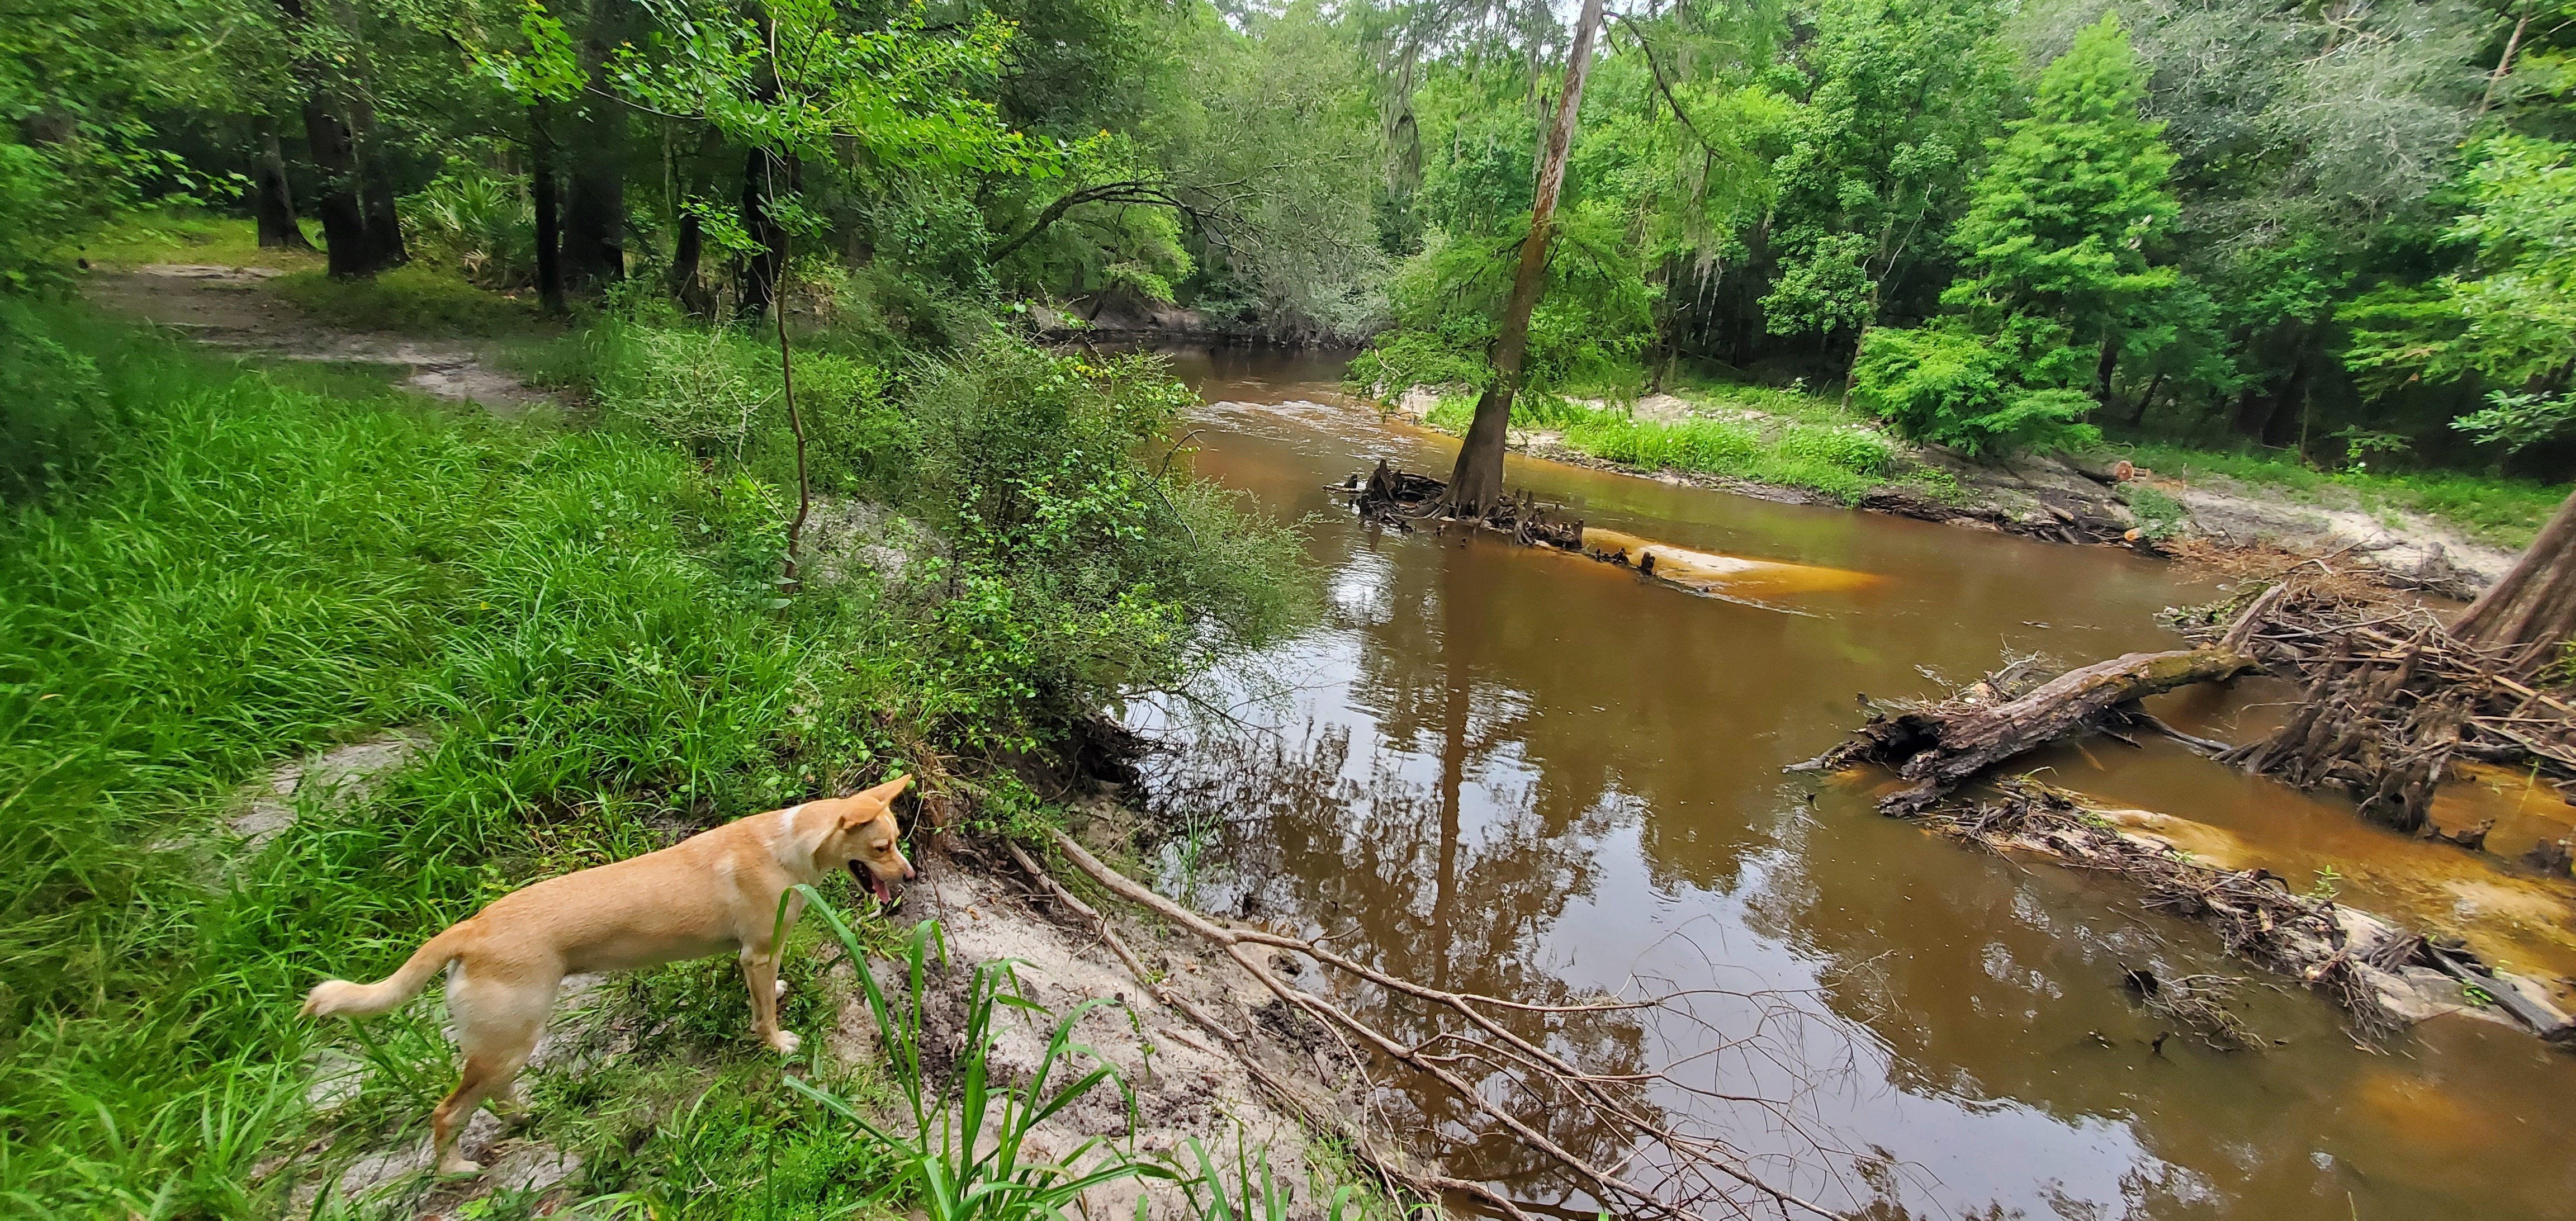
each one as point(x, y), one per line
point(229, 307)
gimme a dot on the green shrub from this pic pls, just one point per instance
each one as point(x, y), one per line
point(53, 404)
point(1948, 385)
point(2159, 514)
point(476, 226)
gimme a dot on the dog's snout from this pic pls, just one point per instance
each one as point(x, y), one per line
point(910, 873)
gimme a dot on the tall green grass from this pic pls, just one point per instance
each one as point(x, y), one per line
point(239, 571)
point(215, 568)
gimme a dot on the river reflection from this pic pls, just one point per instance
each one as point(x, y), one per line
point(1532, 774)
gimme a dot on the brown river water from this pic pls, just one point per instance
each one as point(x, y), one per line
point(1532, 774)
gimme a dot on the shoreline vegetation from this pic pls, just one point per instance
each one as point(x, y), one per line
point(1790, 443)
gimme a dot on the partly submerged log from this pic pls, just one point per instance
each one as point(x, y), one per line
point(1942, 746)
point(2384, 975)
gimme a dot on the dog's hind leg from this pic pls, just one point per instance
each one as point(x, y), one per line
point(500, 1009)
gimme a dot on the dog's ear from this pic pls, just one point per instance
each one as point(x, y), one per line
point(869, 803)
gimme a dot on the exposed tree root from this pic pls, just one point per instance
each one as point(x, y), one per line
point(2392, 697)
point(1475, 1054)
point(1397, 499)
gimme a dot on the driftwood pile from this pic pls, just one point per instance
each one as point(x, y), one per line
point(2383, 975)
point(2392, 696)
point(1399, 498)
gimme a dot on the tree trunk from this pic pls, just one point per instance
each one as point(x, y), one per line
point(376, 190)
point(2289, 408)
point(334, 149)
point(685, 285)
point(2102, 371)
point(272, 197)
point(1476, 485)
point(2146, 400)
point(2532, 611)
point(541, 191)
point(760, 274)
point(595, 214)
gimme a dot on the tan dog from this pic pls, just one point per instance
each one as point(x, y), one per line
point(709, 893)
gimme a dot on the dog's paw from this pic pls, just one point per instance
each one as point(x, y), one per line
point(780, 988)
point(458, 1167)
point(785, 1042)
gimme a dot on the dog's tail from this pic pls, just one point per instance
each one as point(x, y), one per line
point(339, 997)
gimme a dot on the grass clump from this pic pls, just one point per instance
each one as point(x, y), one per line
point(2159, 514)
point(192, 235)
point(413, 297)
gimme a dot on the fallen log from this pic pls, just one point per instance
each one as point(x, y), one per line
point(1942, 746)
point(1481, 1037)
point(2385, 976)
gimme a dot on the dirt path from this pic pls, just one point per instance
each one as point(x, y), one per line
point(230, 307)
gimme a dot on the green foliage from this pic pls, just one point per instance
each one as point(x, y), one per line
point(239, 570)
point(2057, 237)
point(1902, 97)
point(2159, 514)
point(1950, 385)
point(2512, 320)
point(475, 225)
point(1593, 321)
point(57, 413)
point(2073, 201)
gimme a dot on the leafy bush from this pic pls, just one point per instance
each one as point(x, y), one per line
point(36, 208)
point(53, 406)
point(475, 225)
point(1948, 385)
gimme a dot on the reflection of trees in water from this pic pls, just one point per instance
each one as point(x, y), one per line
point(1380, 866)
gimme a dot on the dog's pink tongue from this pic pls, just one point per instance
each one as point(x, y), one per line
point(878, 885)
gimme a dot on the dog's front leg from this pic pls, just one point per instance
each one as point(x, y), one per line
point(760, 974)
